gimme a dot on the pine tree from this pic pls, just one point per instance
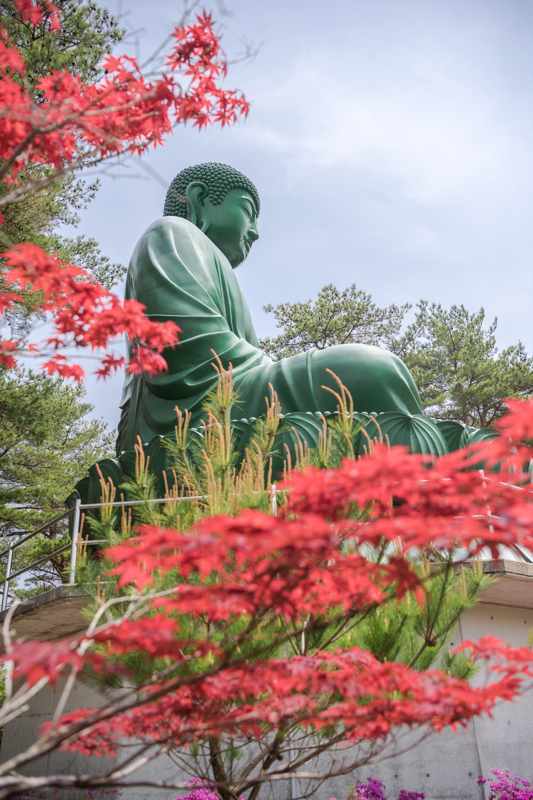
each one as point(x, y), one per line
point(87, 33)
point(452, 352)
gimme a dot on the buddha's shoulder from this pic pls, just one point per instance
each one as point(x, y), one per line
point(175, 238)
point(176, 228)
point(176, 241)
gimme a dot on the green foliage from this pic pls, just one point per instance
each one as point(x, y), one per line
point(420, 635)
point(207, 467)
point(452, 352)
point(334, 317)
point(46, 445)
point(455, 361)
point(37, 216)
point(87, 33)
point(210, 478)
point(206, 462)
point(46, 442)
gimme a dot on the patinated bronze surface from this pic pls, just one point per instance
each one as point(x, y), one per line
point(182, 269)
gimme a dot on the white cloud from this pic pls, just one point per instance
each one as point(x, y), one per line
point(436, 137)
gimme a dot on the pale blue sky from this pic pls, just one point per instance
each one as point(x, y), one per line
point(391, 143)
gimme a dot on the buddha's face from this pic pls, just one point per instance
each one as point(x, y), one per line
point(231, 224)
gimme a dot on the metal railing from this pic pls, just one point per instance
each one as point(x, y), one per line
point(74, 517)
point(13, 546)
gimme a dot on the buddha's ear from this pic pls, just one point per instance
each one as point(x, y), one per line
point(196, 193)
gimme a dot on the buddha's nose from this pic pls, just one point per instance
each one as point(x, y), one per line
point(253, 233)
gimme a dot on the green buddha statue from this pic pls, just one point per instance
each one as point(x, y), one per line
point(183, 269)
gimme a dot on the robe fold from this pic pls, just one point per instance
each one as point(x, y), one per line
point(180, 275)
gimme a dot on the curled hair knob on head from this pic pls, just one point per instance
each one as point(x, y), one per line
point(219, 179)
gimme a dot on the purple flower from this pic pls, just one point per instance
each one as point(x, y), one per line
point(200, 791)
point(372, 789)
point(506, 786)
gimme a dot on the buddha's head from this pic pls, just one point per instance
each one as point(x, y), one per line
point(219, 200)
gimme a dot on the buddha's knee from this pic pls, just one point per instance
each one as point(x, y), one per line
point(377, 379)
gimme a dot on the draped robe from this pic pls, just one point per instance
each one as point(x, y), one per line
point(179, 274)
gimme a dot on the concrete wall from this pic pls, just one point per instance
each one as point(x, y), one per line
point(19, 734)
point(447, 766)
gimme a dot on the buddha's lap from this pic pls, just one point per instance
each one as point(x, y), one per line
point(376, 379)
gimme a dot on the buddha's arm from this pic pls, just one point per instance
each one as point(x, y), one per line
point(174, 274)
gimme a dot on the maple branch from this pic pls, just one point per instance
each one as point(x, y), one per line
point(8, 164)
point(33, 184)
point(7, 641)
point(128, 766)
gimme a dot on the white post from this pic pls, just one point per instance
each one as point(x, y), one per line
point(5, 593)
point(274, 500)
point(489, 510)
point(74, 543)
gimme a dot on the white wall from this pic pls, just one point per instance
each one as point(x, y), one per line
point(447, 766)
